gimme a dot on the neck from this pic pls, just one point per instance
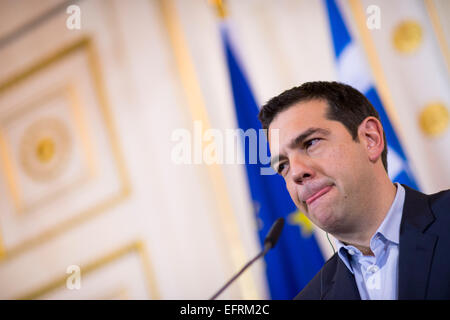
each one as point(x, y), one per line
point(369, 219)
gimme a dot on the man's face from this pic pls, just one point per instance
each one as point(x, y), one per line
point(325, 170)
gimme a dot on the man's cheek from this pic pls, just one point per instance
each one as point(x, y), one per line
point(293, 195)
point(299, 204)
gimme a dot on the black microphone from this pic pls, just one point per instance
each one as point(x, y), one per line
point(269, 242)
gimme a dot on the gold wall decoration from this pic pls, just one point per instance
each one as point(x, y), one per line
point(434, 119)
point(45, 145)
point(407, 36)
point(45, 149)
point(136, 247)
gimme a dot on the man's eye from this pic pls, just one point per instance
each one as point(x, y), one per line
point(311, 142)
point(281, 168)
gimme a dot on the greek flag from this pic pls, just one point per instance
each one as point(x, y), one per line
point(353, 70)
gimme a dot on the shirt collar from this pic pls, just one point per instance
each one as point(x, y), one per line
point(389, 228)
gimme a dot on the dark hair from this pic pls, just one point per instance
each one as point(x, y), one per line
point(345, 104)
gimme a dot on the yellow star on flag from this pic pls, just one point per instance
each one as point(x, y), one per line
point(305, 225)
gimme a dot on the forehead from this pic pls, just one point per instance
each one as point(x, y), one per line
point(300, 117)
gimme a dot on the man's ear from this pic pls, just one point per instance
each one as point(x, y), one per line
point(370, 132)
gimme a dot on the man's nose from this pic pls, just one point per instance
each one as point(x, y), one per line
point(301, 169)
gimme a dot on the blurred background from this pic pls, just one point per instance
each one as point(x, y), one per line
point(107, 108)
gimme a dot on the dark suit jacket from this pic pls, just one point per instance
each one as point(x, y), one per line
point(424, 255)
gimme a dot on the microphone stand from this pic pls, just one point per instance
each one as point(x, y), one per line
point(267, 247)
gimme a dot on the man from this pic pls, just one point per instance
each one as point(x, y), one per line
point(393, 242)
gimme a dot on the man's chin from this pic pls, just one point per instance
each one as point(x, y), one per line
point(324, 219)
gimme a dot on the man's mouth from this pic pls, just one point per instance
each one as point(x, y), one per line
point(317, 195)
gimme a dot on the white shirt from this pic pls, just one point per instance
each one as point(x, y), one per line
point(377, 276)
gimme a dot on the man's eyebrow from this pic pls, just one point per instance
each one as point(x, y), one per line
point(302, 136)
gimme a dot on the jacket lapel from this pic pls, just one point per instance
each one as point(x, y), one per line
point(342, 286)
point(416, 247)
